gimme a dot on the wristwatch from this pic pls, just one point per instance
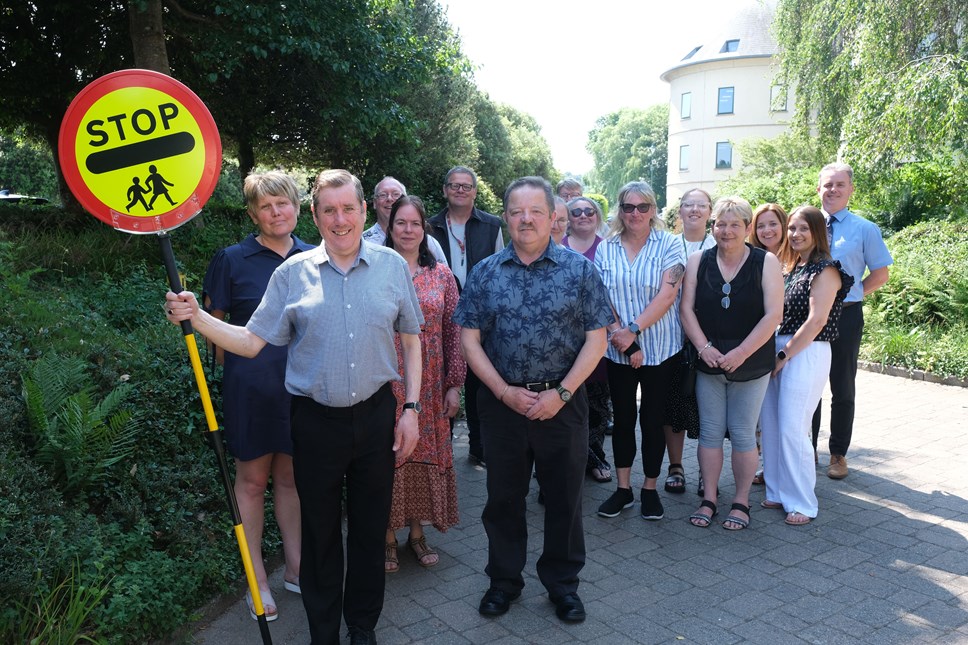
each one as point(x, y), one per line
point(564, 394)
point(634, 328)
point(412, 405)
point(781, 355)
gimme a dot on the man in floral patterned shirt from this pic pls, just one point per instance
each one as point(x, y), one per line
point(533, 318)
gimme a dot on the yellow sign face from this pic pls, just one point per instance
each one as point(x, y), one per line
point(140, 151)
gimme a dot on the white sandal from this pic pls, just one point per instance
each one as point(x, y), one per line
point(268, 605)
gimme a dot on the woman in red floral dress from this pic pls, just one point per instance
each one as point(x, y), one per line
point(424, 485)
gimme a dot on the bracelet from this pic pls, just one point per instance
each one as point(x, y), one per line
point(707, 346)
point(506, 387)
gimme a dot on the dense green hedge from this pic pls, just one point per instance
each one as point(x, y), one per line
point(155, 535)
point(919, 319)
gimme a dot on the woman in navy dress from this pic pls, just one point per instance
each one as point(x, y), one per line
point(254, 399)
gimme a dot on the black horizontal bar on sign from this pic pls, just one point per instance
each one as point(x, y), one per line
point(142, 152)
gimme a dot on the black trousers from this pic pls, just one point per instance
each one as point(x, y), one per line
point(843, 380)
point(472, 385)
point(623, 383)
point(557, 449)
point(332, 446)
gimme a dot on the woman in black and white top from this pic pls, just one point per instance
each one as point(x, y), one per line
point(814, 290)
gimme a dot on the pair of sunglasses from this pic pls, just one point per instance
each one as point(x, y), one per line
point(583, 212)
point(642, 208)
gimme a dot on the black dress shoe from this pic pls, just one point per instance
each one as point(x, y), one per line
point(360, 636)
point(569, 608)
point(496, 602)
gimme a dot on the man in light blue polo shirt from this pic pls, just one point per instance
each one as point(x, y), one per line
point(337, 308)
point(858, 244)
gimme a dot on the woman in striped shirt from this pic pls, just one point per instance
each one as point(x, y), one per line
point(642, 266)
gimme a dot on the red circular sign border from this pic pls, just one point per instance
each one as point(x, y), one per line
point(70, 127)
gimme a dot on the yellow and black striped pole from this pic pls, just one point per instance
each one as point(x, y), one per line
point(215, 440)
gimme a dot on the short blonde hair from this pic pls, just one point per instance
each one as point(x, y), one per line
point(733, 204)
point(278, 184)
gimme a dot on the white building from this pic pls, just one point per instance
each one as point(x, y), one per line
point(721, 92)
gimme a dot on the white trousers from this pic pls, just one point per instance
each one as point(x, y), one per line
point(791, 398)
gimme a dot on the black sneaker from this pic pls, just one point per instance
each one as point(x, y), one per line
point(477, 462)
point(651, 505)
point(621, 499)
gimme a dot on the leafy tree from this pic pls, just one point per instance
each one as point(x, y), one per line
point(629, 145)
point(48, 52)
point(26, 167)
point(882, 83)
point(781, 170)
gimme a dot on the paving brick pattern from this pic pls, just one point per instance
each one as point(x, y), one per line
point(885, 562)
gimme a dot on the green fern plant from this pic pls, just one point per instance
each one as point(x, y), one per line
point(78, 439)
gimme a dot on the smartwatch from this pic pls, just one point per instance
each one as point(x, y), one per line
point(412, 405)
point(564, 394)
point(634, 328)
point(781, 355)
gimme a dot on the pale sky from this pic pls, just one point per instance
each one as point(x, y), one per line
point(568, 63)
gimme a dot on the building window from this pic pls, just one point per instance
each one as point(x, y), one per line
point(692, 53)
point(683, 157)
point(729, 46)
point(724, 155)
point(778, 98)
point(725, 105)
point(685, 105)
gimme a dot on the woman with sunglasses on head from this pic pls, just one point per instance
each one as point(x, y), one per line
point(584, 218)
point(682, 411)
point(814, 292)
point(642, 266)
point(732, 302)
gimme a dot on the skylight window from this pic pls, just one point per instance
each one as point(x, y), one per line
point(729, 46)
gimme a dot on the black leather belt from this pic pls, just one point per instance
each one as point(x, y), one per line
point(538, 386)
point(851, 304)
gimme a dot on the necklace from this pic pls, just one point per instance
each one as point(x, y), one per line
point(727, 288)
point(460, 242)
point(685, 244)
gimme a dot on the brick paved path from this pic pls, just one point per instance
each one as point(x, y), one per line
point(886, 561)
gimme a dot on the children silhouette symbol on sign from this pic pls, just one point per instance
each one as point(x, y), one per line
point(136, 194)
point(158, 186)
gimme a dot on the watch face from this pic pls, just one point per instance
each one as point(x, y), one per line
point(781, 355)
point(415, 406)
point(564, 394)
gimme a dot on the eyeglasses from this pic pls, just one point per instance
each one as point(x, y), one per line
point(700, 206)
point(727, 289)
point(460, 187)
point(570, 196)
point(394, 196)
point(642, 208)
point(583, 212)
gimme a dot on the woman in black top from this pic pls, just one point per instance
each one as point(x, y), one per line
point(815, 288)
point(732, 301)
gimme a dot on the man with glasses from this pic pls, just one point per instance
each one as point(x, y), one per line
point(858, 245)
point(568, 189)
point(467, 235)
point(385, 194)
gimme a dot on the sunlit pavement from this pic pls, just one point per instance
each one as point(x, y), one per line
point(886, 561)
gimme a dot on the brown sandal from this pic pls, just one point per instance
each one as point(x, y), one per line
point(392, 562)
point(426, 556)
